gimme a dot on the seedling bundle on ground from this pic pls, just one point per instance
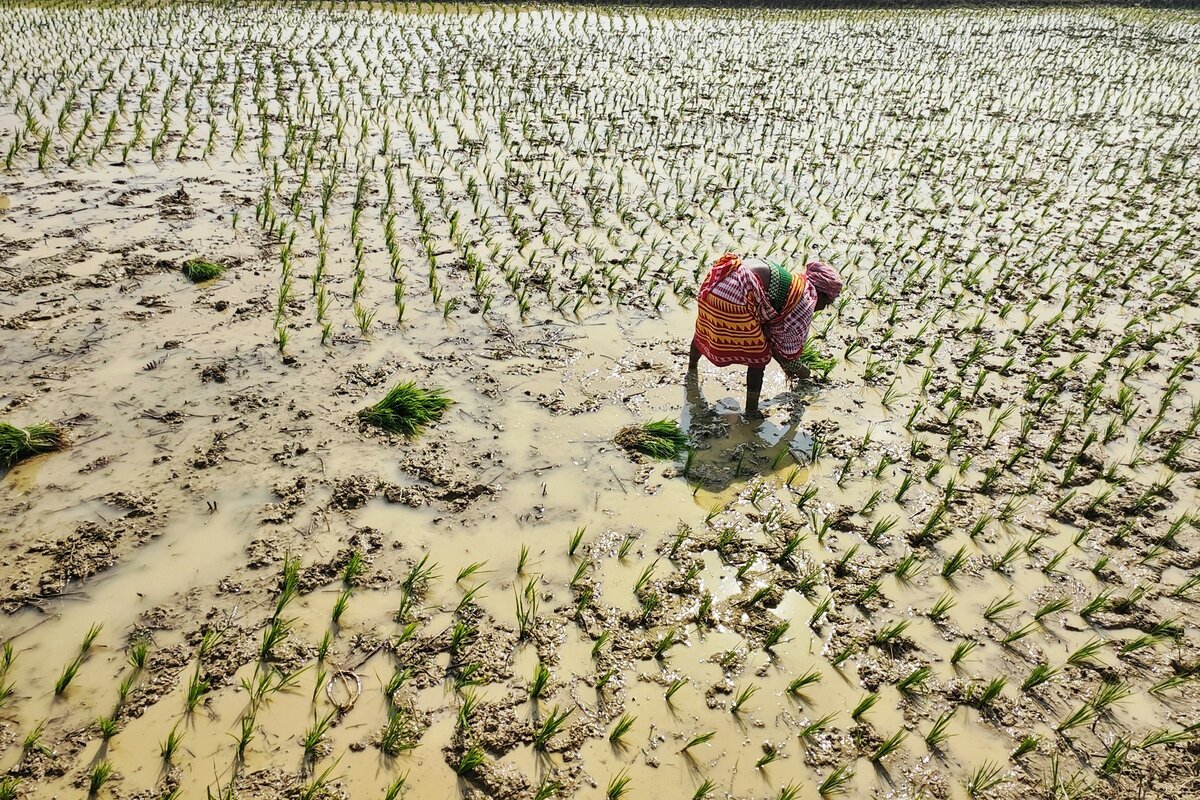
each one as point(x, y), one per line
point(407, 409)
point(18, 444)
point(661, 439)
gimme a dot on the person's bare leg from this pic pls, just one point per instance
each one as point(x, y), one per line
point(754, 379)
point(693, 358)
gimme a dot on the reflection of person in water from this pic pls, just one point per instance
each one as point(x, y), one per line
point(727, 449)
point(751, 311)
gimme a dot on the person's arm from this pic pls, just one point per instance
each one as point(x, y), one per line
point(754, 379)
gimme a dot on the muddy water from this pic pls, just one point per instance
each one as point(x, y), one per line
point(526, 217)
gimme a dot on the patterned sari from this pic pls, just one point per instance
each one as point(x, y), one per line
point(745, 320)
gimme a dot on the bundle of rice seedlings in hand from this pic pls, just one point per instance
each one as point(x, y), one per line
point(407, 409)
point(17, 444)
point(199, 270)
point(816, 362)
point(659, 439)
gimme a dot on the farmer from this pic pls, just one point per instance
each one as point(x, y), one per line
point(750, 311)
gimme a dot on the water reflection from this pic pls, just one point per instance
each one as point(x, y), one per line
point(731, 448)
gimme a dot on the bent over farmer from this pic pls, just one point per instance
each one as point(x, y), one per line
point(751, 311)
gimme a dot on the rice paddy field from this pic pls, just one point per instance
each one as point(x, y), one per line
point(361, 333)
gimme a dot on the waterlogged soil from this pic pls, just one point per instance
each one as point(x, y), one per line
point(229, 584)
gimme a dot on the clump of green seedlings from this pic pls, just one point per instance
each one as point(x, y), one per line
point(200, 270)
point(18, 444)
point(817, 363)
point(662, 439)
point(407, 409)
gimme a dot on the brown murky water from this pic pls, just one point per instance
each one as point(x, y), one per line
point(515, 204)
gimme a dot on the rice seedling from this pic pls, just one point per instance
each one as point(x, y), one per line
point(837, 781)
point(668, 640)
point(888, 746)
point(315, 734)
point(32, 743)
point(625, 546)
point(941, 607)
point(339, 606)
point(800, 682)
point(1086, 653)
point(1027, 745)
point(18, 444)
point(1165, 737)
point(742, 697)
point(1083, 715)
point(674, 686)
point(1040, 674)
point(1169, 684)
point(814, 727)
point(1000, 606)
point(775, 635)
point(393, 790)
point(1114, 757)
point(1138, 643)
point(697, 740)
point(551, 725)
point(954, 563)
point(574, 540)
point(984, 778)
point(937, 734)
point(662, 439)
point(407, 409)
point(242, 738)
point(471, 758)
point(170, 745)
point(100, 774)
point(1096, 605)
point(914, 681)
point(1074, 787)
point(624, 724)
point(864, 705)
point(841, 656)
point(541, 678)
point(989, 693)
point(1051, 607)
point(107, 727)
point(618, 786)
point(68, 674)
point(1109, 693)
point(197, 687)
point(396, 737)
point(1020, 633)
point(469, 570)
point(889, 633)
point(466, 709)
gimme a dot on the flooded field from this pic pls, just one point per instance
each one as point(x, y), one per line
point(964, 563)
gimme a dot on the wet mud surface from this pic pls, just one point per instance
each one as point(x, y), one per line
point(964, 564)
